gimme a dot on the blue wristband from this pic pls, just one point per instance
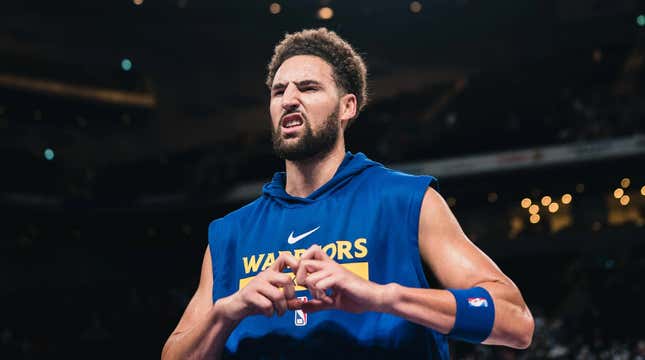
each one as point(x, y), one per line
point(475, 314)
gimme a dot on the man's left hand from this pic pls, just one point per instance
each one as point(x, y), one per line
point(334, 287)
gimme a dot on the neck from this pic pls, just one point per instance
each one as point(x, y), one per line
point(304, 177)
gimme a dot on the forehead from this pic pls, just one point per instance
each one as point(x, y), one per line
point(304, 67)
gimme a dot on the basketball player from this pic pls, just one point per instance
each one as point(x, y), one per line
point(328, 262)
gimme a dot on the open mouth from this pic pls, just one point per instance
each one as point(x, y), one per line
point(291, 120)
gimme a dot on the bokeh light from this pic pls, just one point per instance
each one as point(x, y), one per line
point(566, 199)
point(126, 64)
point(49, 154)
point(416, 7)
point(618, 193)
point(640, 20)
point(325, 13)
point(275, 8)
point(526, 202)
point(546, 200)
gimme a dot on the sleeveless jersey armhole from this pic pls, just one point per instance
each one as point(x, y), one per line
point(212, 230)
point(418, 194)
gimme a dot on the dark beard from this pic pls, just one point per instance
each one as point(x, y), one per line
point(310, 144)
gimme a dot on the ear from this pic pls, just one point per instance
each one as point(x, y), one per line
point(348, 108)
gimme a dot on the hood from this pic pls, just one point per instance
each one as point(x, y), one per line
point(352, 165)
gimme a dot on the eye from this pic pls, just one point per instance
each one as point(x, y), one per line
point(278, 92)
point(309, 89)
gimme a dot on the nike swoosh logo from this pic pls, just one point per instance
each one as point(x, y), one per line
point(293, 240)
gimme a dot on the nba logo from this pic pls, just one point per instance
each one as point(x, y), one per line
point(300, 318)
point(477, 302)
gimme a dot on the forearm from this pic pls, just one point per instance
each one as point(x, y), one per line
point(436, 309)
point(428, 307)
point(205, 340)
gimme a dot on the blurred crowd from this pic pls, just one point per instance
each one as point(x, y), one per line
point(554, 340)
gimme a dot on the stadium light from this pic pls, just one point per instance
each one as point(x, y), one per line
point(553, 207)
point(535, 218)
point(625, 182)
point(618, 193)
point(624, 200)
point(137, 2)
point(533, 209)
point(640, 20)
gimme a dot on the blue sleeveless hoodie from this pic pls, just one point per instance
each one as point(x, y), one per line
point(366, 218)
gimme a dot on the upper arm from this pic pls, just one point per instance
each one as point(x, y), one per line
point(458, 263)
point(446, 250)
point(202, 300)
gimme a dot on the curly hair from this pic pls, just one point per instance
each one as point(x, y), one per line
point(349, 70)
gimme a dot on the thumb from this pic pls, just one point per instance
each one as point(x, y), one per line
point(316, 305)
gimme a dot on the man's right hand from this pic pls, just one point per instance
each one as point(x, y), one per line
point(271, 291)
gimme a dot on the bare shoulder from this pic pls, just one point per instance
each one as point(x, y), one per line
point(436, 214)
point(445, 248)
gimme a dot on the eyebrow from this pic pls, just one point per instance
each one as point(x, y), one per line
point(298, 84)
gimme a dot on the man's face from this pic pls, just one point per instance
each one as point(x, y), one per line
point(304, 108)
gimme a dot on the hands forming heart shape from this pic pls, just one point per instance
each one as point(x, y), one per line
point(331, 286)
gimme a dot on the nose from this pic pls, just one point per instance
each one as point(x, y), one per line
point(291, 98)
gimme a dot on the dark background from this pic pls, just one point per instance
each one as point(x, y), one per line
point(101, 246)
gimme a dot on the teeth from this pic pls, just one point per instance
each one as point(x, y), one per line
point(293, 122)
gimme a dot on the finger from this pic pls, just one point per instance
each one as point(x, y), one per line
point(314, 252)
point(276, 296)
point(306, 267)
point(262, 305)
point(317, 283)
point(289, 291)
point(284, 283)
point(294, 304)
point(320, 294)
point(313, 278)
point(324, 284)
point(285, 260)
point(277, 279)
point(315, 305)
